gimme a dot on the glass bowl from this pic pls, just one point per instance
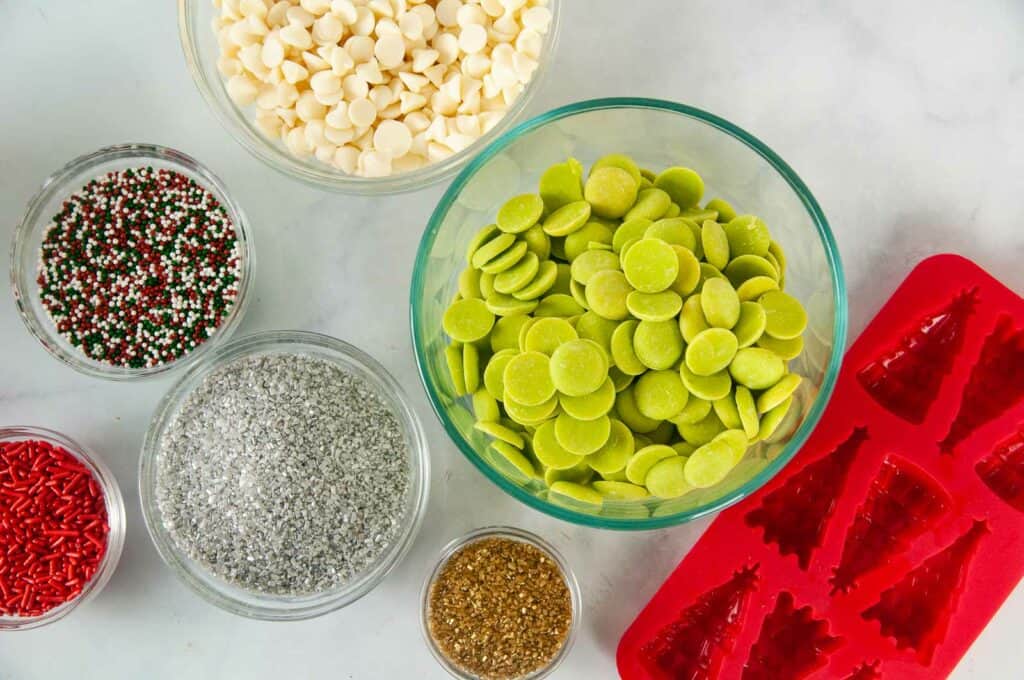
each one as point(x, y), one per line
point(115, 519)
point(514, 534)
point(199, 43)
point(735, 166)
point(281, 607)
point(29, 234)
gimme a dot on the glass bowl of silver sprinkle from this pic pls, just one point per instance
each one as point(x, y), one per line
point(284, 475)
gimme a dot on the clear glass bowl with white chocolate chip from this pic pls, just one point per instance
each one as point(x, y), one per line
point(368, 96)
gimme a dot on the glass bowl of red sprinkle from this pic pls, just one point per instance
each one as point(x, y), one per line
point(61, 524)
point(130, 261)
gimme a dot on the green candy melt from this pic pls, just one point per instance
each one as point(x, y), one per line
point(611, 191)
point(527, 379)
point(756, 368)
point(522, 212)
point(578, 367)
point(660, 395)
point(582, 437)
point(683, 185)
point(468, 320)
point(650, 265)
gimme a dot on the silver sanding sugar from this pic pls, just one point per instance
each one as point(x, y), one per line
point(283, 474)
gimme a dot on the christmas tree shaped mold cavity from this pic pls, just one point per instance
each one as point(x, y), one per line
point(694, 645)
point(902, 503)
point(792, 643)
point(996, 383)
point(1003, 470)
point(916, 610)
point(907, 379)
point(795, 514)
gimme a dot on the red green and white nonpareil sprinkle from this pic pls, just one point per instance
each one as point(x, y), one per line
point(139, 267)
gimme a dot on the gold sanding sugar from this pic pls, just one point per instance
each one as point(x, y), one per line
point(500, 609)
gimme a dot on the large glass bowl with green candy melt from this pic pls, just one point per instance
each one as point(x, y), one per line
point(735, 166)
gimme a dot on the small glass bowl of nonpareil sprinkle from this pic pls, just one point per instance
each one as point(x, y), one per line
point(130, 261)
point(284, 476)
point(61, 526)
point(501, 604)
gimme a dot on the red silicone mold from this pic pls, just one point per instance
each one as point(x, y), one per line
point(883, 549)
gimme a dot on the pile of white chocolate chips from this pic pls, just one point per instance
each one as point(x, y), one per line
point(377, 87)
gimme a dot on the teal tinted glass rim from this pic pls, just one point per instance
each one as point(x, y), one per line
point(839, 325)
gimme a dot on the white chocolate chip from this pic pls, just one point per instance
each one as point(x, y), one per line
point(354, 87)
point(329, 98)
point(308, 108)
point(229, 66)
point(364, 22)
point(370, 72)
point(277, 16)
point(316, 7)
point(360, 48)
point(392, 137)
point(472, 38)
point(407, 163)
point(268, 124)
point(424, 59)
point(338, 117)
point(336, 136)
point(345, 10)
point(530, 43)
point(362, 112)
point(386, 27)
point(411, 101)
point(253, 8)
point(435, 74)
point(476, 65)
point(470, 14)
point(537, 18)
point(296, 141)
point(243, 89)
point(414, 82)
point(300, 16)
point(328, 30)
point(507, 25)
point(437, 152)
point(493, 8)
point(325, 153)
point(447, 12)
point(447, 46)
point(390, 50)
point(272, 52)
point(382, 8)
point(296, 36)
point(325, 81)
point(488, 119)
point(411, 25)
point(287, 94)
point(341, 61)
point(346, 158)
point(375, 163)
point(381, 96)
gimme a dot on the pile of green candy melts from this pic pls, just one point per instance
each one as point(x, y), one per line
point(619, 341)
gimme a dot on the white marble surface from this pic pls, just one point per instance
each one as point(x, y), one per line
point(904, 118)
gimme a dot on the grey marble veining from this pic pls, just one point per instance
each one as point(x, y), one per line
point(904, 118)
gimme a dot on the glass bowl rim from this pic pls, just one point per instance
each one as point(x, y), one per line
point(320, 603)
point(332, 179)
point(516, 534)
point(41, 327)
point(839, 323)
point(115, 519)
